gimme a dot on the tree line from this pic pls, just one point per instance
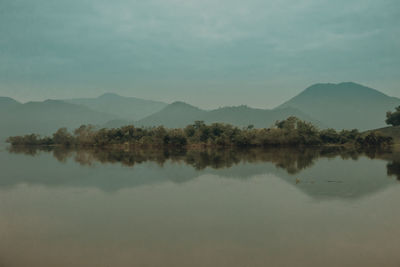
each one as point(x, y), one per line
point(289, 132)
point(393, 118)
point(293, 160)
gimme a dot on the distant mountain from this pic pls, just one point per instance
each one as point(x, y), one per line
point(46, 117)
point(180, 114)
point(340, 106)
point(125, 108)
point(344, 105)
point(7, 103)
point(260, 118)
point(175, 115)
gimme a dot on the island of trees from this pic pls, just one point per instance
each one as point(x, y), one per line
point(289, 132)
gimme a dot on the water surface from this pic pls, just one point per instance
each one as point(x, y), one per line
point(275, 207)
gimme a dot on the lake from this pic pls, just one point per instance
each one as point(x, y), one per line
point(247, 208)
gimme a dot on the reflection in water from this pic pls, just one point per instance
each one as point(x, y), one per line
point(320, 173)
point(291, 159)
point(393, 168)
point(222, 208)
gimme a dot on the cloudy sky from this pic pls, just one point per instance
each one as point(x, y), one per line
point(209, 53)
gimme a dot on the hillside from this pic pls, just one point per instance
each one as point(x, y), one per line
point(344, 105)
point(392, 131)
point(125, 108)
point(260, 118)
point(180, 114)
point(340, 106)
point(175, 115)
point(6, 103)
point(46, 117)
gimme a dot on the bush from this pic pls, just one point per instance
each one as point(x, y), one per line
point(393, 118)
point(289, 132)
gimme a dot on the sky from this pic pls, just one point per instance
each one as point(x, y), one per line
point(209, 53)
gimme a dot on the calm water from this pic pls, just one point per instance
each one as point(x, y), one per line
point(211, 208)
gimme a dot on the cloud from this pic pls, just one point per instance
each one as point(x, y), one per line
point(184, 44)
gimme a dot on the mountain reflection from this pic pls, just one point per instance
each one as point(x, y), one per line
point(320, 173)
point(290, 159)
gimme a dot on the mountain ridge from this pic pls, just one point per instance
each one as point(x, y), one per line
point(121, 107)
point(180, 114)
point(46, 117)
point(344, 105)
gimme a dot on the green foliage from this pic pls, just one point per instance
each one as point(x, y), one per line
point(374, 139)
point(393, 118)
point(84, 134)
point(30, 140)
point(176, 137)
point(289, 132)
point(330, 136)
point(63, 137)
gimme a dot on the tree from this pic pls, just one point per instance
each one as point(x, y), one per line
point(290, 124)
point(62, 137)
point(176, 137)
point(84, 134)
point(375, 139)
point(393, 118)
point(329, 136)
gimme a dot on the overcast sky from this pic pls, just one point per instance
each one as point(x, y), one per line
point(209, 53)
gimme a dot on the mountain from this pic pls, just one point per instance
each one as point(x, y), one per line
point(260, 118)
point(180, 114)
point(7, 103)
point(46, 117)
point(344, 105)
point(175, 115)
point(125, 108)
point(341, 106)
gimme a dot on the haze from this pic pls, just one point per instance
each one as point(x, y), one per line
point(207, 53)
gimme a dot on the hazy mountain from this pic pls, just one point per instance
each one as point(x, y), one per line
point(6, 103)
point(344, 105)
point(175, 115)
point(260, 118)
point(180, 114)
point(126, 108)
point(46, 117)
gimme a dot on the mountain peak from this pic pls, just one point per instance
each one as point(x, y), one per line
point(181, 104)
point(8, 100)
point(236, 108)
point(345, 105)
point(109, 95)
point(350, 84)
point(339, 87)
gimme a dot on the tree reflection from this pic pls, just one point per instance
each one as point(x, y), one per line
point(289, 159)
point(393, 169)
